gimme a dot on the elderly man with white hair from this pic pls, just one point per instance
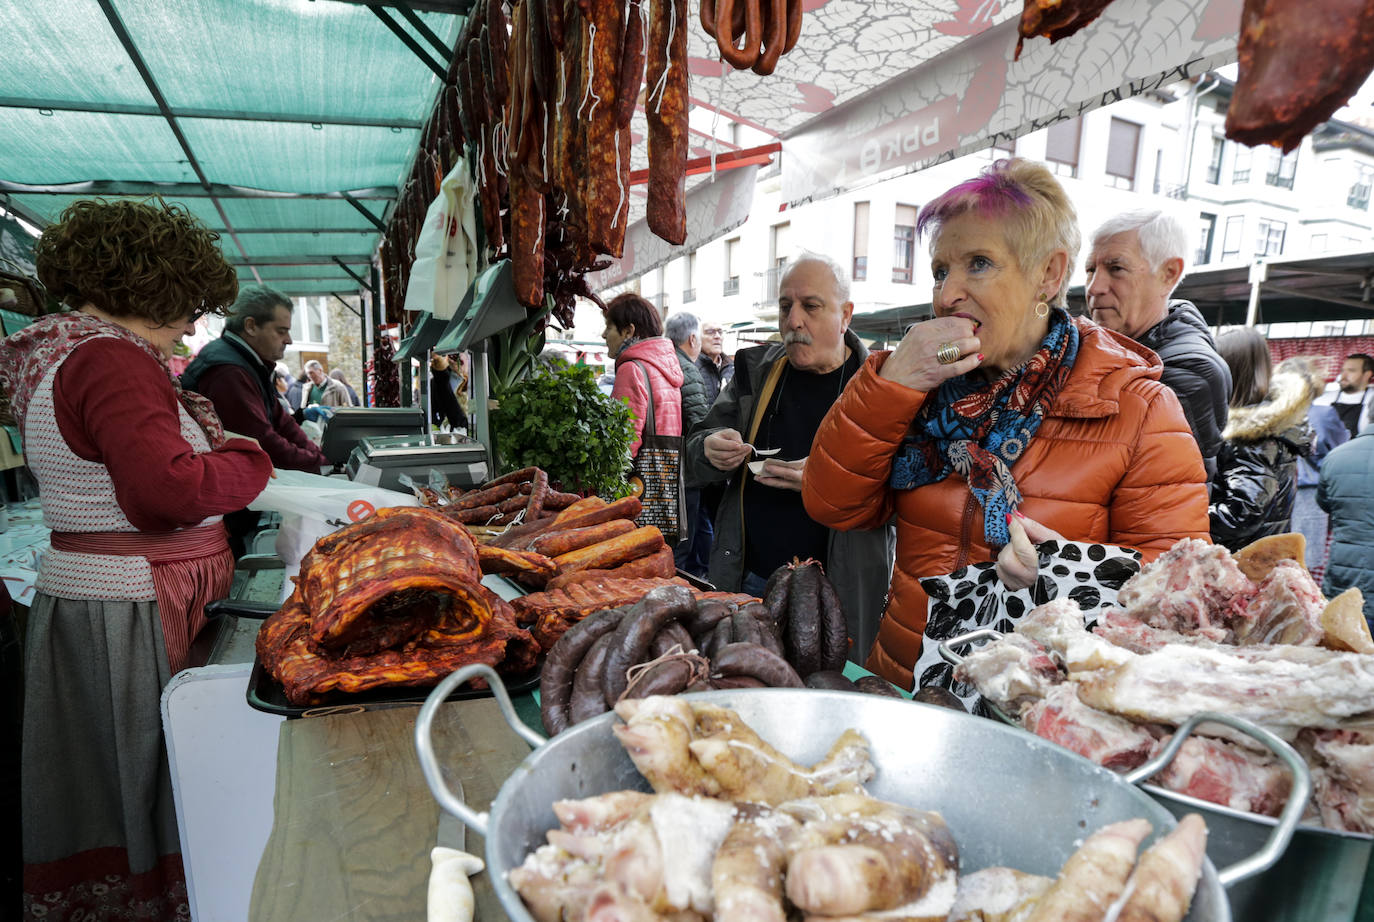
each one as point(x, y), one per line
point(324, 391)
point(771, 409)
point(1136, 261)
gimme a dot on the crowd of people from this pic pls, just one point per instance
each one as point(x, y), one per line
point(1001, 422)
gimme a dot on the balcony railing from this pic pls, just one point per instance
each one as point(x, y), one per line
point(771, 280)
point(1274, 179)
point(1174, 191)
point(860, 268)
point(1358, 197)
point(689, 295)
point(732, 286)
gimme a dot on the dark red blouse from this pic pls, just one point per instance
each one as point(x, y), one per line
point(116, 407)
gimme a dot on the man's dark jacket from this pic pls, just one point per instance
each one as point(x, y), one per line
point(240, 386)
point(1195, 372)
point(713, 376)
point(693, 390)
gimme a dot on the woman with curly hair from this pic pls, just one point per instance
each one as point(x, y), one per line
point(134, 475)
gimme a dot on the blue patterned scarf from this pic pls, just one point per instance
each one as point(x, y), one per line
point(979, 428)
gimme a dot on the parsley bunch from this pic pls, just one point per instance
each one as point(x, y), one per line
point(558, 419)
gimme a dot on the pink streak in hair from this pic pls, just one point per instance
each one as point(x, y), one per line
point(991, 192)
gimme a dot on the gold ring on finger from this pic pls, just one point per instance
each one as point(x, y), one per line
point(948, 354)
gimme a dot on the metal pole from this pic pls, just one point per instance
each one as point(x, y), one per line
point(362, 319)
point(1259, 271)
point(478, 417)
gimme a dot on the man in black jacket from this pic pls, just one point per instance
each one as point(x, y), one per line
point(1136, 261)
point(716, 369)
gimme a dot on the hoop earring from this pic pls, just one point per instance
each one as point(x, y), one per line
point(1042, 310)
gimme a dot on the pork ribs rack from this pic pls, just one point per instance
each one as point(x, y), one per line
point(393, 600)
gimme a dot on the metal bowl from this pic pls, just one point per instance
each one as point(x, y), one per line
point(1009, 798)
point(1297, 872)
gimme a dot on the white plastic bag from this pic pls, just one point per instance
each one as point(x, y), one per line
point(312, 506)
point(446, 253)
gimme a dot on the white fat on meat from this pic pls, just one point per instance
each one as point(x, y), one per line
point(1281, 688)
point(1125, 631)
point(1190, 586)
point(689, 830)
point(1011, 672)
point(1223, 773)
point(1001, 894)
point(1342, 764)
point(1286, 609)
point(1110, 741)
point(1058, 626)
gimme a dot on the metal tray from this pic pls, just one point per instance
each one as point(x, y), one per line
point(267, 694)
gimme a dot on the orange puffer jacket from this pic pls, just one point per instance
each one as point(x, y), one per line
point(1114, 462)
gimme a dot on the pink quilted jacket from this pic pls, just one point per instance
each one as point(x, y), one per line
point(660, 361)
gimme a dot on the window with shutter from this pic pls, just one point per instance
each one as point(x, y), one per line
point(1123, 144)
point(1061, 146)
point(1230, 243)
point(1208, 229)
point(904, 243)
point(860, 241)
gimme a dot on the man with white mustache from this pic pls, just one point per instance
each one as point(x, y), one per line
point(775, 403)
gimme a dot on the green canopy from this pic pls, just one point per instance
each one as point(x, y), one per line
point(286, 125)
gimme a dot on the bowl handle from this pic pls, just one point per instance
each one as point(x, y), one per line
point(1292, 813)
point(946, 647)
point(424, 739)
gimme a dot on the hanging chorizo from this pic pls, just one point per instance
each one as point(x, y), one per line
point(666, 105)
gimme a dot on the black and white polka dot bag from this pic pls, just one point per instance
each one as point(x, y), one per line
point(973, 597)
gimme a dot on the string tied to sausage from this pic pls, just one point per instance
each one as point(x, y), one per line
point(698, 670)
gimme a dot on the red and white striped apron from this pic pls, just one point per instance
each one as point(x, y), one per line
point(190, 567)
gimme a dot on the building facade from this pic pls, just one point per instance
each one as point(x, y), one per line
point(1162, 150)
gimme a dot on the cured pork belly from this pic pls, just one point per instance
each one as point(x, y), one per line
point(1193, 585)
point(1011, 672)
point(1286, 609)
point(1282, 688)
point(1342, 777)
point(393, 600)
point(1224, 773)
point(1110, 741)
point(378, 583)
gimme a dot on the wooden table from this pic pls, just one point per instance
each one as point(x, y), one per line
point(354, 821)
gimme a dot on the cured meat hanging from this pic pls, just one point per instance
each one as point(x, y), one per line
point(1300, 61)
point(1056, 19)
point(769, 28)
point(548, 113)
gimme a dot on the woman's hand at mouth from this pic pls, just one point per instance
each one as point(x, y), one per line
point(915, 362)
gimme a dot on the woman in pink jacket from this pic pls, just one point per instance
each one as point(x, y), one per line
point(646, 363)
point(643, 359)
